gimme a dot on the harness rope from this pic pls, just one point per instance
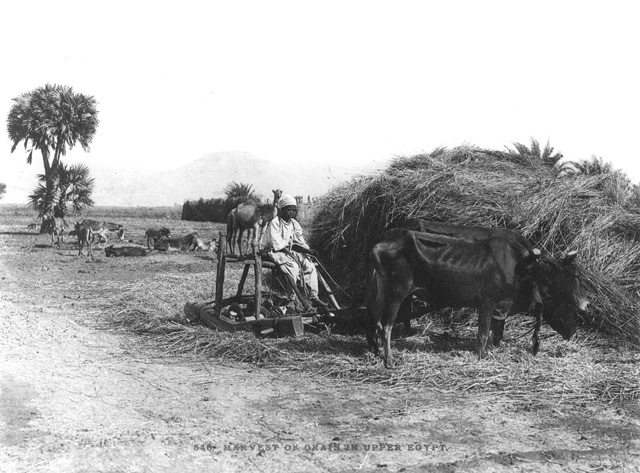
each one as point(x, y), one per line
point(520, 336)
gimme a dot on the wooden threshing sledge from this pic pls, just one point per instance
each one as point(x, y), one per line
point(262, 312)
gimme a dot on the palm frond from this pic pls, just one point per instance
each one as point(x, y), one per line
point(588, 167)
point(534, 153)
point(241, 191)
point(54, 118)
point(67, 186)
point(535, 148)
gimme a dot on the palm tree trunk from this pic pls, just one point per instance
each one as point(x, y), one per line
point(45, 161)
point(48, 174)
point(57, 153)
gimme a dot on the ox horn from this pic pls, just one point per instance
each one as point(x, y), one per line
point(570, 257)
point(535, 255)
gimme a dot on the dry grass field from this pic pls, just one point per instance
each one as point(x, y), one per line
point(100, 371)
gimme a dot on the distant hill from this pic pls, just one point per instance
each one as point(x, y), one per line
point(207, 177)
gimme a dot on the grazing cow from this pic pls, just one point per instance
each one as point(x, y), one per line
point(54, 226)
point(101, 229)
point(176, 244)
point(85, 236)
point(153, 235)
point(491, 275)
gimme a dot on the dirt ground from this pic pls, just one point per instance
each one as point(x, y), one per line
point(76, 397)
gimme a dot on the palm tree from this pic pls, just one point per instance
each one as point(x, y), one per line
point(546, 154)
point(52, 119)
point(588, 167)
point(71, 186)
point(238, 191)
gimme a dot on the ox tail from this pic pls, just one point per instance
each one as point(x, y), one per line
point(231, 219)
point(375, 301)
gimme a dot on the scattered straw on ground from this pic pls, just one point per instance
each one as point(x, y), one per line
point(585, 370)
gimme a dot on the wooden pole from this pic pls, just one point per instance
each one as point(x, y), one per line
point(332, 298)
point(257, 269)
point(220, 273)
point(243, 279)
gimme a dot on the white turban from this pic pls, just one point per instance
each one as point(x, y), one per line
point(287, 200)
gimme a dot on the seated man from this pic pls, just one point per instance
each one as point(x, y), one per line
point(284, 241)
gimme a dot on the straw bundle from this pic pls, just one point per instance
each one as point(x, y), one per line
point(597, 215)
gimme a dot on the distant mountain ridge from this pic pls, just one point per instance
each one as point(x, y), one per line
point(207, 177)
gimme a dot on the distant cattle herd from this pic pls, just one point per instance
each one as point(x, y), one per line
point(90, 232)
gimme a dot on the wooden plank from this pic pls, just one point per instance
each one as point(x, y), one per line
point(257, 271)
point(291, 326)
point(220, 272)
point(332, 298)
point(243, 278)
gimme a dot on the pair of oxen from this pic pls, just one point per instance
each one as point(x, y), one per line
point(494, 270)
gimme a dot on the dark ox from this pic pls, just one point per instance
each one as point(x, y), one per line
point(153, 235)
point(468, 233)
point(548, 270)
point(54, 226)
point(493, 275)
point(124, 251)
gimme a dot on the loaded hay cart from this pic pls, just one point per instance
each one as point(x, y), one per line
point(265, 312)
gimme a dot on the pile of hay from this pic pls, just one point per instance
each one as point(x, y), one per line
point(596, 214)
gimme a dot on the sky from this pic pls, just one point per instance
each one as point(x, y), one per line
point(330, 81)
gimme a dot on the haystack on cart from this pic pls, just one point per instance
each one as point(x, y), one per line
point(260, 312)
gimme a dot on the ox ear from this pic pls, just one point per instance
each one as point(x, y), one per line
point(570, 258)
